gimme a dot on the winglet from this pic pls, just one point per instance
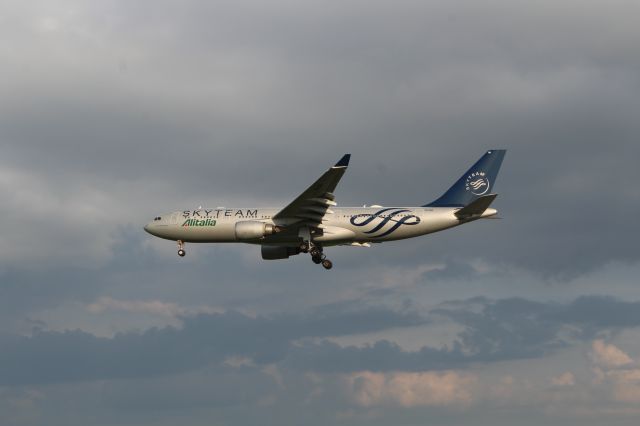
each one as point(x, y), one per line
point(344, 161)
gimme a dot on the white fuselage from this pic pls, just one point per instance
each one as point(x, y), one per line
point(344, 225)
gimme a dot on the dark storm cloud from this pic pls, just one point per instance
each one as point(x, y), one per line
point(49, 357)
point(508, 329)
point(25, 289)
point(113, 112)
point(222, 101)
point(502, 330)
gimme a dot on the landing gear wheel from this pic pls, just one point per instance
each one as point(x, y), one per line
point(304, 247)
point(315, 252)
point(181, 251)
point(316, 259)
point(327, 264)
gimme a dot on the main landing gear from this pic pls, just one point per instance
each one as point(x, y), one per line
point(181, 251)
point(317, 256)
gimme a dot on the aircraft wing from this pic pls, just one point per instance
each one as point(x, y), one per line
point(310, 207)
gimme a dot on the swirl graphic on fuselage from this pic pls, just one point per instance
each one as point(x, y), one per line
point(385, 216)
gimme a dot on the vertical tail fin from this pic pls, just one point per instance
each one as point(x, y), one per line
point(476, 182)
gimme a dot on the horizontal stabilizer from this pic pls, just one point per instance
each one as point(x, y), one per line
point(476, 207)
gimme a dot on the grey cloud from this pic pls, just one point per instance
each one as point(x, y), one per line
point(47, 357)
point(494, 331)
point(208, 387)
point(538, 323)
point(113, 112)
point(380, 356)
point(283, 90)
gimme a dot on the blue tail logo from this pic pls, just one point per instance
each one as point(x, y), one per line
point(390, 216)
point(476, 182)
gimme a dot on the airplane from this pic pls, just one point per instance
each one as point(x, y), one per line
point(312, 222)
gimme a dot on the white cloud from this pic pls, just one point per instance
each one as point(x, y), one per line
point(565, 379)
point(615, 392)
point(239, 362)
point(615, 373)
point(404, 389)
point(152, 307)
point(626, 385)
point(608, 356)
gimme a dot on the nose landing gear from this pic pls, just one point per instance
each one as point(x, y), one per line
point(181, 251)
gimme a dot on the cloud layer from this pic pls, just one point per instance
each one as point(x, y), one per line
point(115, 112)
point(504, 330)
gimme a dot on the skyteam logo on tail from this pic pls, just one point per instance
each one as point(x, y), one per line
point(477, 183)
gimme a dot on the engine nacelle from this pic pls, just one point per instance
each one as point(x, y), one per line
point(278, 252)
point(251, 229)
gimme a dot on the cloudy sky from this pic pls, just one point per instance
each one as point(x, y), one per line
point(114, 111)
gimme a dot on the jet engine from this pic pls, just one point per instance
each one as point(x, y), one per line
point(251, 229)
point(278, 252)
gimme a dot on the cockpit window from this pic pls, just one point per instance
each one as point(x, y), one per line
point(157, 218)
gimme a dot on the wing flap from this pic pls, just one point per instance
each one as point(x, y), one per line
point(322, 202)
point(310, 216)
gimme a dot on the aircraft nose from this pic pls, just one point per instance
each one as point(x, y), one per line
point(147, 228)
